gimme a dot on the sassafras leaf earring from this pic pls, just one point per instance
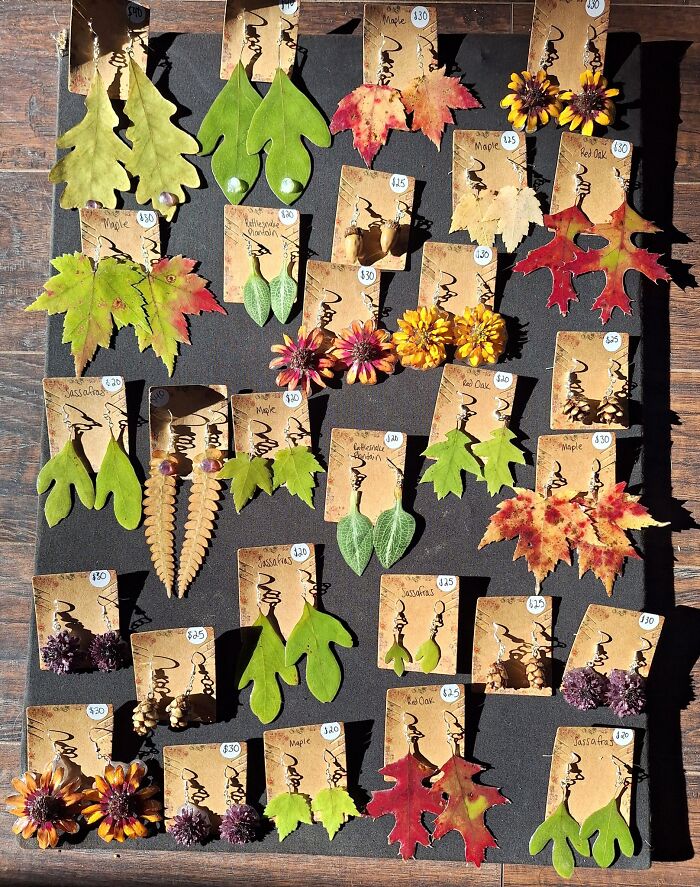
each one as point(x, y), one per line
point(610, 825)
point(63, 472)
point(117, 477)
point(429, 653)
point(397, 654)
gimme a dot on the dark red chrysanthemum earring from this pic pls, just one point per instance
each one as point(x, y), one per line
point(626, 693)
point(191, 824)
point(106, 650)
point(61, 651)
point(586, 688)
point(240, 823)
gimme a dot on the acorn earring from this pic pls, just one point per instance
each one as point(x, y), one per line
point(179, 708)
point(240, 824)
point(106, 650)
point(144, 718)
point(586, 688)
point(191, 824)
point(626, 693)
point(353, 237)
point(159, 508)
point(397, 652)
point(61, 652)
point(534, 664)
point(428, 654)
point(389, 231)
point(497, 677)
point(610, 408)
point(576, 407)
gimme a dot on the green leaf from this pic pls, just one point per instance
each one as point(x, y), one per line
point(354, 535)
point(497, 453)
point(393, 533)
point(248, 474)
point(229, 117)
point(562, 830)
point(93, 169)
point(312, 636)
point(117, 476)
point(611, 827)
point(93, 297)
point(428, 655)
point(283, 294)
point(288, 810)
point(399, 656)
point(332, 807)
point(282, 118)
point(452, 456)
point(265, 663)
point(158, 145)
point(64, 470)
point(256, 294)
point(295, 467)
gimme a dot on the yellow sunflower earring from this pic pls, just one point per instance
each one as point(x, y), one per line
point(534, 97)
point(593, 103)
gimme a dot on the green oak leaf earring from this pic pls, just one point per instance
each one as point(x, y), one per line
point(354, 531)
point(428, 654)
point(499, 452)
point(610, 825)
point(63, 472)
point(257, 296)
point(562, 829)
point(248, 472)
point(397, 654)
point(294, 466)
point(292, 807)
point(395, 527)
point(283, 288)
point(453, 455)
point(116, 475)
point(333, 806)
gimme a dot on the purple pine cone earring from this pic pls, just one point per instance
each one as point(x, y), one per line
point(61, 652)
point(586, 688)
point(106, 650)
point(626, 693)
point(240, 823)
point(191, 824)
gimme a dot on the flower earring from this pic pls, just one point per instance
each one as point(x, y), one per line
point(61, 652)
point(397, 654)
point(586, 688)
point(144, 718)
point(593, 103)
point(534, 663)
point(610, 825)
point(333, 806)
point(116, 476)
point(497, 676)
point(480, 335)
point(610, 409)
point(106, 650)
point(240, 824)
point(191, 824)
point(428, 654)
point(63, 472)
point(576, 407)
point(121, 804)
point(290, 808)
point(179, 709)
point(626, 693)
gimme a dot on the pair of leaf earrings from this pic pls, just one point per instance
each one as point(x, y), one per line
point(62, 652)
point(98, 164)
point(66, 471)
point(268, 656)
point(240, 125)
point(487, 460)
point(389, 537)
point(331, 806)
point(484, 213)
point(608, 824)
point(279, 294)
point(459, 802)
point(428, 653)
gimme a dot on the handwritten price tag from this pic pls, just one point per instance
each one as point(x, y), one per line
point(289, 8)
point(230, 750)
point(292, 399)
point(146, 218)
point(99, 578)
point(450, 692)
point(446, 583)
point(483, 255)
point(502, 380)
point(135, 13)
point(648, 621)
point(510, 141)
point(601, 440)
point(594, 8)
point(622, 737)
point(300, 552)
point(398, 183)
point(330, 731)
point(159, 397)
point(420, 17)
point(112, 384)
point(288, 216)
point(620, 148)
point(196, 635)
point(535, 604)
point(96, 711)
point(366, 275)
point(612, 341)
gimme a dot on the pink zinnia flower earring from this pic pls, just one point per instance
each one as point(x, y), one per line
point(304, 362)
point(362, 350)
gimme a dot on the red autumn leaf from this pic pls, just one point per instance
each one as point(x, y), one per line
point(547, 529)
point(406, 801)
point(170, 292)
point(467, 802)
point(370, 111)
point(431, 98)
point(619, 256)
point(560, 251)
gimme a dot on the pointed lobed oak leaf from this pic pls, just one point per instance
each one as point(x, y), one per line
point(431, 99)
point(452, 456)
point(477, 214)
point(467, 802)
point(619, 256)
point(406, 801)
point(370, 111)
point(171, 291)
point(498, 453)
point(560, 251)
point(516, 208)
point(547, 529)
point(93, 297)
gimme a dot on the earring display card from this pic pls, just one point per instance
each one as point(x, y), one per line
point(399, 43)
point(285, 571)
point(262, 35)
point(336, 295)
point(596, 162)
point(175, 654)
point(627, 629)
point(83, 408)
point(369, 199)
point(488, 159)
point(476, 392)
point(369, 456)
point(593, 358)
point(308, 750)
point(428, 706)
point(119, 27)
point(266, 232)
point(213, 770)
point(81, 733)
point(186, 419)
point(563, 32)
point(566, 463)
point(264, 423)
point(124, 233)
point(77, 599)
point(422, 597)
point(592, 754)
point(455, 276)
point(513, 620)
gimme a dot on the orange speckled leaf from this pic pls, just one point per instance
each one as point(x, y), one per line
point(467, 802)
point(431, 99)
point(370, 111)
point(619, 256)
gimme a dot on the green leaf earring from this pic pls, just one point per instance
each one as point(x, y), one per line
point(397, 654)
point(498, 453)
point(333, 806)
point(354, 531)
point(283, 288)
point(62, 472)
point(312, 637)
point(610, 825)
point(291, 808)
point(394, 528)
point(452, 456)
point(116, 475)
point(294, 466)
point(562, 829)
point(248, 473)
point(256, 290)
point(428, 654)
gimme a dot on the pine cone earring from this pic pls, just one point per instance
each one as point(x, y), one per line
point(144, 718)
point(626, 693)
point(610, 409)
point(179, 710)
point(534, 662)
point(497, 677)
point(576, 407)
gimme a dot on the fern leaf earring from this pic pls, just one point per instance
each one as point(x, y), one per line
point(61, 652)
point(257, 297)
point(610, 825)
point(397, 654)
point(333, 806)
point(428, 654)
point(290, 808)
point(395, 527)
point(354, 531)
point(295, 466)
point(159, 508)
point(64, 472)
point(116, 476)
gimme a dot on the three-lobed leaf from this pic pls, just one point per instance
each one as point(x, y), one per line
point(116, 475)
point(563, 831)
point(397, 656)
point(354, 535)
point(247, 475)
point(498, 453)
point(612, 828)
point(265, 663)
point(312, 637)
point(428, 655)
point(452, 456)
point(332, 807)
point(370, 111)
point(393, 533)
point(289, 810)
point(63, 472)
point(294, 468)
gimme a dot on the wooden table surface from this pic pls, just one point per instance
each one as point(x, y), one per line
point(672, 156)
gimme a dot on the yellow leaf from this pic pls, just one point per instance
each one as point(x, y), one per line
point(478, 216)
point(516, 208)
